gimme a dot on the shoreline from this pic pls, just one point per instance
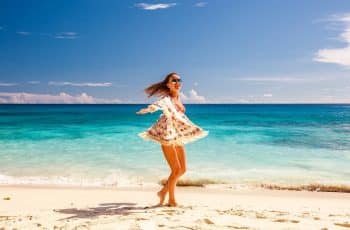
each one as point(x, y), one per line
point(222, 188)
point(203, 183)
point(199, 208)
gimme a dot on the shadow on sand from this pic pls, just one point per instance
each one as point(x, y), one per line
point(105, 209)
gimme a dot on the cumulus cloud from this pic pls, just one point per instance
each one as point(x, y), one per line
point(200, 4)
point(90, 84)
point(267, 95)
point(66, 35)
point(340, 56)
point(33, 82)
point(159, 6)
point(192, 97)
point(61, 98)
point(24, 33)
point(7, 84)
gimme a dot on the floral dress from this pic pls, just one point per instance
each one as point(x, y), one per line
point(173, 126)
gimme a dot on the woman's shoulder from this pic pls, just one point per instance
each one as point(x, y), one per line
point(164, 98)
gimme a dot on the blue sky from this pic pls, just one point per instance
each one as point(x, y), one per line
point(226, 51)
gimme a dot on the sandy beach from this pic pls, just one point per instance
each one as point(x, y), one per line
point(25, 207)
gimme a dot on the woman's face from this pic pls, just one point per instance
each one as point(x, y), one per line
point(174, 83)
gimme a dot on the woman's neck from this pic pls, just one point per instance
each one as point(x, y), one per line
point(174, 95)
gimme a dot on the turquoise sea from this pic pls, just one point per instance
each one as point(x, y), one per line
point(97, 145)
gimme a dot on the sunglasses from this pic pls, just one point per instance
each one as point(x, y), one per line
point(176, 80)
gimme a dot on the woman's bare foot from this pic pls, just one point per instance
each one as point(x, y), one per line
point(171, 204)
point(161, 196)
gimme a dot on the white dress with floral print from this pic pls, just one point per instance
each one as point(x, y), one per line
point(173, 126)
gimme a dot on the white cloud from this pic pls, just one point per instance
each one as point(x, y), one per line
point(61, 98)
point(267, 95)
point(192, 97)
point(90, 84)
point(33, 82)
point(66, 35)
point(7, 84)
point(340, 56)
point(146, 6)
point(24, 33)
point(200, 4)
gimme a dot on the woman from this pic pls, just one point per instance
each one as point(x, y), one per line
point(172, 130)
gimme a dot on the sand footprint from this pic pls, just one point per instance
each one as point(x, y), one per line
point(346, 224)
point(286, 220)
point(205, 221)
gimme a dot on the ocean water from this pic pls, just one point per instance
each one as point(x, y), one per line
point(97, 145)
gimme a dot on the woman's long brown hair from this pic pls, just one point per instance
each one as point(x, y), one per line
point(159, 88)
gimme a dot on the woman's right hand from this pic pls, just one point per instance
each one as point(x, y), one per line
point(142, 111)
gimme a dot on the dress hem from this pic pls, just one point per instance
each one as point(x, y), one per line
point(182, 141)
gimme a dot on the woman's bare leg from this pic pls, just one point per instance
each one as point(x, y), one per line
point(173, 161)
point(181, 156)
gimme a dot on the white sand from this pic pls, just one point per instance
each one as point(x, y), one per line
point(200, 208)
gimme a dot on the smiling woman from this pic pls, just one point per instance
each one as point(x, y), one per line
point(173, 127)
point(172, 130)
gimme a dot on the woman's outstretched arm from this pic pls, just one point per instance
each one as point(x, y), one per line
point(150, 109)
point(157, 105)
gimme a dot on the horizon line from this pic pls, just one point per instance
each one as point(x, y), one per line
point(272, 103)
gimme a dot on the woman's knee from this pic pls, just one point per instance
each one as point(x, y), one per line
point(179, 172)
point(182, 171)
point(176, 172)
